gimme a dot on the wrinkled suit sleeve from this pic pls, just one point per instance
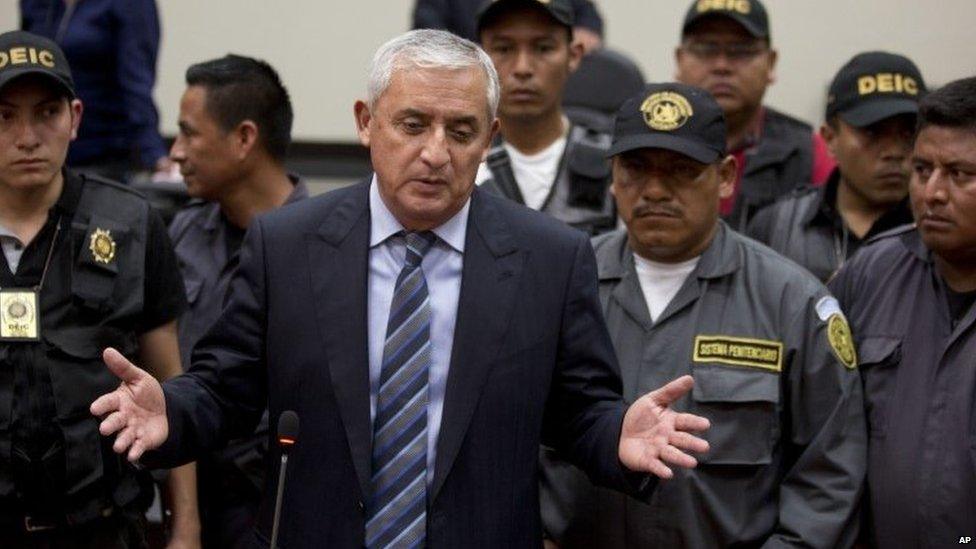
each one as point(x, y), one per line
point(585, 410)
point(224, 392)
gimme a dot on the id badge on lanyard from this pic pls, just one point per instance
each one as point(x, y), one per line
point(20, 311)
point(19, 315)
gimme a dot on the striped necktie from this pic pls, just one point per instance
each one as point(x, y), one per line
point(398, 509)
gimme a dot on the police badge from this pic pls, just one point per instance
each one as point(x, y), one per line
point(102, 246)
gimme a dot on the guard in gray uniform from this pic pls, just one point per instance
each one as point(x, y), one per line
point(241, 101)
point(540, 159)
point(909, 294)
point(86, 264)
point(770, 351)
point(870, 124)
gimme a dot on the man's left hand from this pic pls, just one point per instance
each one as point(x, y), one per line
point(654, 435)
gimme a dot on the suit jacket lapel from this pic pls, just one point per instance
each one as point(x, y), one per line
point(490, 277)
point(339, 263)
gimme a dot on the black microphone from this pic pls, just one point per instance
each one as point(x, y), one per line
point(287, 437)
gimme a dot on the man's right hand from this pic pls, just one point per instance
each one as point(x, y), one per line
point(136, 410)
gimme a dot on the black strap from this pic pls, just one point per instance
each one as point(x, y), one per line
point(502, 175)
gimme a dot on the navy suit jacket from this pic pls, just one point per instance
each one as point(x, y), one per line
point(532, 362)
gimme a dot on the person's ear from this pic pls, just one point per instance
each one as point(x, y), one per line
point(492, 132)
point(363, 118)
point(829, 134)
point(771, 75)
point(727, 171)
point(77, 110)
point(246, 137)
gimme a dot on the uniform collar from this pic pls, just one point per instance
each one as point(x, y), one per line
point(215, 218)
point(826, 214)
point(720, 258)
point(67, 203)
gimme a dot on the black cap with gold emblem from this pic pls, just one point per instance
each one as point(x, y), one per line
point(751, 14)
point(873, 86)
point(560, 10)
point(23, 53)
point(677, 117)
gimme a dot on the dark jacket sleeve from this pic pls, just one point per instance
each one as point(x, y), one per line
point(224, 392)
point(585, 411)
point(760, 224)
point(588, 16)
point(138, 46)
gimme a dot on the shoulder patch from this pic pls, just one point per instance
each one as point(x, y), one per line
point(841, 341)
point(764, 354)
point(827, 307)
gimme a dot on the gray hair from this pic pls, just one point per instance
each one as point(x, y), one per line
point(429, 49)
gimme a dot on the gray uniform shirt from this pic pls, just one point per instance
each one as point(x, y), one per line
point(199, 234)
point(788, 435)
point(919, 377)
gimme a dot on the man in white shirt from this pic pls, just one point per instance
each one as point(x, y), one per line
point(770, 351)
point(540, 159)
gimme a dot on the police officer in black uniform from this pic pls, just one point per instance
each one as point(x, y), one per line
point(86, 263)
point(540, 159)
point(870, 123)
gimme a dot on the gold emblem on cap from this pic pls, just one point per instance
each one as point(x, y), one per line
point(666, 111)
point(741, 6)
point(841, 341)
point(102, 246)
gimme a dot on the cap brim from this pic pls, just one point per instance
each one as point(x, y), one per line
point(746, 23)
point(13, 74)
point(689, 148)
point(877, 110)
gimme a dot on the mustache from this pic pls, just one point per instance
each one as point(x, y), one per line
point(646, 209)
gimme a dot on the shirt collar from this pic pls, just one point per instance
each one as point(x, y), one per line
point(826, 210)
point(383, 225)
point(753, 136)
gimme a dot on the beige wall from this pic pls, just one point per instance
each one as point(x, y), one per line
point(322, 47)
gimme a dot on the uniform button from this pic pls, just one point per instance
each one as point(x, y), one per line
point(362, 506)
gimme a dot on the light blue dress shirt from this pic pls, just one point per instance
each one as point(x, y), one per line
point(442, 269)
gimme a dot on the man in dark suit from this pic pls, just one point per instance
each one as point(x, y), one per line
point(428, 334)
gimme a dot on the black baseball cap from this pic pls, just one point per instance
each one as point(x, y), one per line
point(751, 14)
point(873, 86)
point(23, 53)
point(560, 10)
point(671, 116)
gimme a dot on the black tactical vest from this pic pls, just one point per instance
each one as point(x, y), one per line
point(780, 162)
point(580, 195)
point(92, 298)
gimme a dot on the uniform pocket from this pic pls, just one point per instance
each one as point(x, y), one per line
point(742, 405)
point(879, 359)
point(78, 374)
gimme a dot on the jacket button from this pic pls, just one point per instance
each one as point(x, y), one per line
point(362, 506)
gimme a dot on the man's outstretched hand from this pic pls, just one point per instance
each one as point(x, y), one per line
point(654, 435)
point(136, 410)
